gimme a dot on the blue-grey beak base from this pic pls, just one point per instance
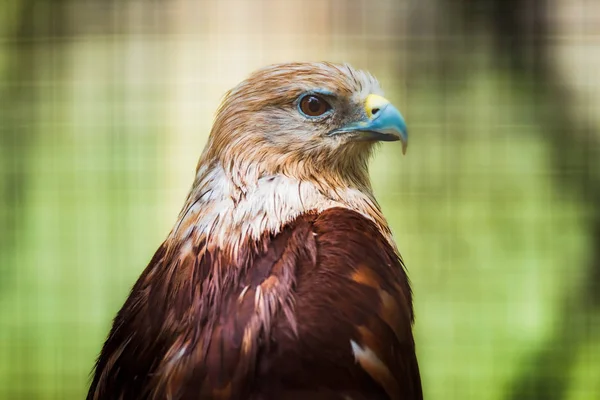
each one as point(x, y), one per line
point(387, 125)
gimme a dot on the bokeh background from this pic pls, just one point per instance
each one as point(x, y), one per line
point(106, 105)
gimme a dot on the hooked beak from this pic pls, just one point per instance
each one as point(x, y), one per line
point(383, 122)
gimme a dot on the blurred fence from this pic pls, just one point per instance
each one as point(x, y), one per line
point(105, 107)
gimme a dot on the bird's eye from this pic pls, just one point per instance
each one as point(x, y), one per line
point(314, 106)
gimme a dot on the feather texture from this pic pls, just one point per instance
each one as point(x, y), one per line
point(320, 310)
point(280, 279)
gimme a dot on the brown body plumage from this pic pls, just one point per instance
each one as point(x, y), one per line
point(280, 279)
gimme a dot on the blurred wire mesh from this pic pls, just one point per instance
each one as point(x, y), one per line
point(105, 107)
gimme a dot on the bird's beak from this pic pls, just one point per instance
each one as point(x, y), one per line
point(383, 122)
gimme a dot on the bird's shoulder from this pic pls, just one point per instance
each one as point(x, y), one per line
point(354, 315)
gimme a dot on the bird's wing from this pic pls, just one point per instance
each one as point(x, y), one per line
point(321, 310)
point(354, 316)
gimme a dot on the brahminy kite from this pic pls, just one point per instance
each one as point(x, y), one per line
point(280, 278)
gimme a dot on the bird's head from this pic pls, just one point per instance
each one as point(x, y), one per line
point(310, 121)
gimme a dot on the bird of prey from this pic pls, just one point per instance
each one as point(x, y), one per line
point(280, 278)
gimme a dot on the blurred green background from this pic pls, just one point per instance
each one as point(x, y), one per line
point(106, 105)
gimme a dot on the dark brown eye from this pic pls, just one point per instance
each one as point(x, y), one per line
point(314, 106)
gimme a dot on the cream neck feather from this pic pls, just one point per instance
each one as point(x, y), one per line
point(224, 214)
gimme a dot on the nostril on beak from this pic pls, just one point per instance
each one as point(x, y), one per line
point(374, 111)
